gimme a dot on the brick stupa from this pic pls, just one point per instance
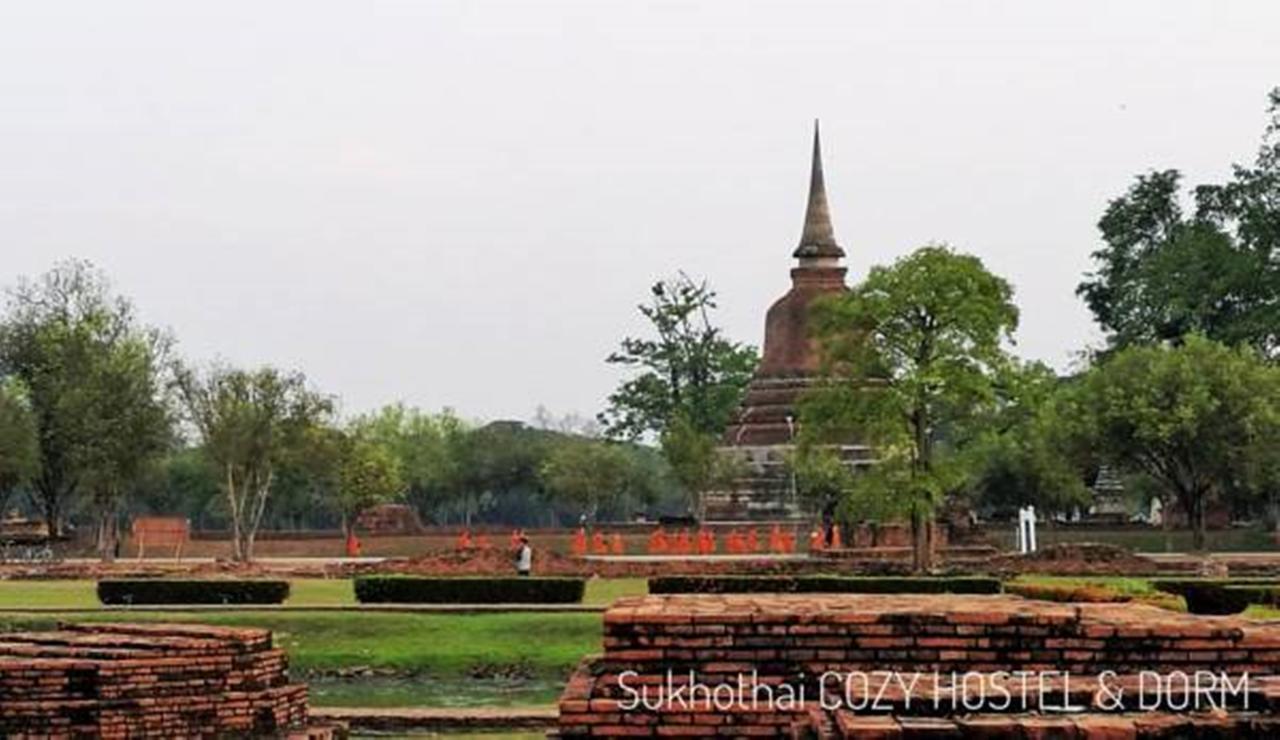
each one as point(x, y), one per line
point(763, 430)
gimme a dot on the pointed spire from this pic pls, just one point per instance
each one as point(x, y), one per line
point(818, 238)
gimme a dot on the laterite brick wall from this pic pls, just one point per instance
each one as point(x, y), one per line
point(125, 680)
point(792, 640)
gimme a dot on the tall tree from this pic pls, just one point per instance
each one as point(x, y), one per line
point(429, 450)
point(696, 460)
point(368, 474)
point(914, 349)
point(586, 472)
point(1197, 418)
point(80, 353)
point(130, 421)
point(688, 367)
point(251, 422)
point(19, 449)
point(1163, 273)
point(1019, 448)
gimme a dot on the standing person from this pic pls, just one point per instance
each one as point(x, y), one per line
point(524, 557)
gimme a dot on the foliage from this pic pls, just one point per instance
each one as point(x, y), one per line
point(1163, 274)
point(132, 592)
point(689, 369)
point(1018, 450)
point(824, 584)
point(696, 460)
point(425, 590)
point(367, 476)
point(1195, 417)
point(586, 472)
point(429, 448)
point(96, 388)
point(19, 446)
point(823, 480)
point(251, 423)
point(913, 350)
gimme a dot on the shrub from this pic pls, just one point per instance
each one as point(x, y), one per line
point(824, 584)
point(1067, 592)
point(1221, 596)
point(191, 591)
point(425, 590)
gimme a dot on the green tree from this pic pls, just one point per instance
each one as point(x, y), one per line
point(501, 463)
point(586, 472)
point(696, 460)
point(913, 350)
point(1019, 450)
point(19, 450)
point(368, 475)
point(1163, 273)
point(1193, 417)
point(688, 368)
point(429, 450)
point(131, 425)
point(251, 424)
point(93, 379)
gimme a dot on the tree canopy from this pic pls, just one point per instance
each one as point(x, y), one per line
point(250, 423)
point(688, 367)
point(94, 381)
point(1163, 273)
point(1198, 418)
point(911, 351)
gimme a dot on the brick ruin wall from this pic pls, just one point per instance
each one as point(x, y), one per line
point(118, 680)
point(792, 640)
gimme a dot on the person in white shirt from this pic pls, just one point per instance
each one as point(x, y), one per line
point(524, 557)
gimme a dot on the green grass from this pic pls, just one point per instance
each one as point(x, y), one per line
point(67, 594)
point(303, 592)
point(445, 644)
point(1136, 587)
point(446, 659)
point(424, 691)
point(508, 659)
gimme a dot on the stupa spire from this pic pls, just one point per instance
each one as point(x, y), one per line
point(818, 239)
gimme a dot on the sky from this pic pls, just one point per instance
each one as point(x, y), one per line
point(459, 204)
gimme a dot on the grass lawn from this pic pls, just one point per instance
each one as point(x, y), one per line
point(303, 592)
point(439, 659)
point(444, 659)
point(1136, 587)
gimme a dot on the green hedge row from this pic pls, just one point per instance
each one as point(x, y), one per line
point(424, 590)
point(191, 591)
point(824, 584)
point(1221, 595)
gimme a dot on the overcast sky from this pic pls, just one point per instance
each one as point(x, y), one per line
point(460, 203)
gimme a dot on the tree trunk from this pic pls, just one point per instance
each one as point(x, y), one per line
point(108, 533)
point(921, 509)
point(51, 507)
point(1197, 520)
point(921, 538)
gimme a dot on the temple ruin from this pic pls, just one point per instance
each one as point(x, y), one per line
point(764, 428)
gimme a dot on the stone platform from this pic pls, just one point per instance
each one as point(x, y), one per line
point(156, 680)
point(1072, 664)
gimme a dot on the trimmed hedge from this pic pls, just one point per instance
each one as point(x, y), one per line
point(823, 584)
point(191, 591)
point(427, 590)
point(1221, 595)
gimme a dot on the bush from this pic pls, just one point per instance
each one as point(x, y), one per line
point(823, 584)
point(424, 590)
point(1064, 592)
point(1221, 596)
point(191, 591)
